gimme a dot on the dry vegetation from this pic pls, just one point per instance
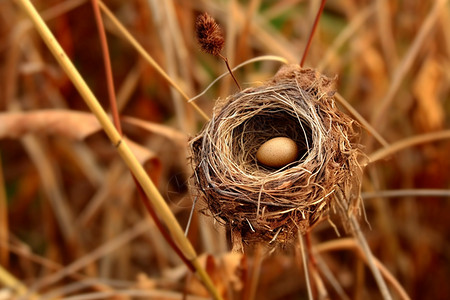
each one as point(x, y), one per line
point(72, 225)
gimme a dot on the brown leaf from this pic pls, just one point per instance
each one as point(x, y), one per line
point(74, 125)
point(70, 124)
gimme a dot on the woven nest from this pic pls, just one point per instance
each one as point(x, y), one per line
point(267, 204)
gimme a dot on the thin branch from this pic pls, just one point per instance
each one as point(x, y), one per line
point(107, 65)
point(311, 34)
point(161, 227)
point(101, 251)
point(370, 259)
point(356, 24)
point(229, 70)
point(147, 56)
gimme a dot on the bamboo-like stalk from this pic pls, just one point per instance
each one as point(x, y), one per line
point(138, 171)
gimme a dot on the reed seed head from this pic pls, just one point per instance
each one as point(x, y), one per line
point(209, 34)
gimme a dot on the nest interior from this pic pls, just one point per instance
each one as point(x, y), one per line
point(269, 204)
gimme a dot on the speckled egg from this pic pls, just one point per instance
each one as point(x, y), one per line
point(277, 152)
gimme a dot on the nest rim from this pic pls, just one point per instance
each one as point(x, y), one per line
point(262, 203)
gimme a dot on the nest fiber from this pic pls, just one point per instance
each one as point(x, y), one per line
point(260, 203)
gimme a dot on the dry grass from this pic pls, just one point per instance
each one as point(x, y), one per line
point(71, 224)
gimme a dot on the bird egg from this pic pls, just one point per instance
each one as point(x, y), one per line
point(277, 152)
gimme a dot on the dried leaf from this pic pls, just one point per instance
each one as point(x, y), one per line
point(76, 125)
point(70, 124)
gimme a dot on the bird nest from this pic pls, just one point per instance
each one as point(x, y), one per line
point(260, 203)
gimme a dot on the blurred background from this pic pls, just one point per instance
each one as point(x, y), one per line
point(71, 223)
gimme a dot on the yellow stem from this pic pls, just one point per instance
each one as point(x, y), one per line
point(138, 171)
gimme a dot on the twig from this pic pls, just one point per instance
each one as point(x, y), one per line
point(242, 44)
point(133, 294)
point(370, 259)
point(385, 34)
point(229, 70)
point(230, 47)
point(161, 228)
point(107, 65)
point(147, 56)
point(311, 34)
point(101, 251)
point(115, 113)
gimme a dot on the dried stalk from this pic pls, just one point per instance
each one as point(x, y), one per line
point(136, 168)
point(408, 142)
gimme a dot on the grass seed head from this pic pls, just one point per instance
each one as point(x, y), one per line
point(209, 34)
